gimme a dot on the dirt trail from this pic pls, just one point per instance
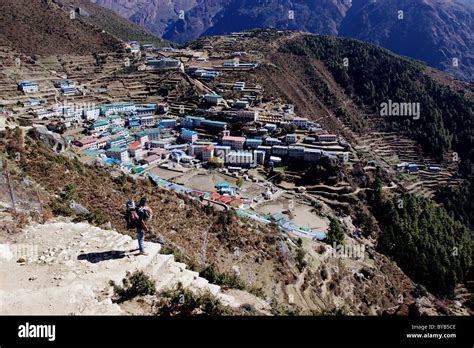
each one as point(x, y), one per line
point(69, 265)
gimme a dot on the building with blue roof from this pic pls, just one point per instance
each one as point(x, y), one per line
point(188, 136)
point(28, 87)
point(168, 123)
point(253, 143)
point(214, 126)
point(191, 122)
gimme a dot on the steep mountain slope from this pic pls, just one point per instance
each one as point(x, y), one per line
point(435, 31)
point(239, 15)
point(115, 24)
point(155, 15)
point(42, 27)
point(439, 32)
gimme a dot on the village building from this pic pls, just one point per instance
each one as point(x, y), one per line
point(45, 114)
point(214, 99)
point(272, 141)
point(280, 150)
point(117, 108)
point(100, 127)
point(135, 150)
point(191, 122)
point(238, 86)
point(296, 152)
point(259, 156)
point(118, 153)
point(150, 160)
point(142, 137)
point(167, 123)
point(146, 110)
point(147, 120)
point(241, 104)
point(163, 64)
point(28, 87)
point(188, 135)
point(213, 126)
point(291, 138)
point(327, 137)
point(270, 127)
point(312, 155)
point(86, 144)
point(245, 116)
point(253, 143)
point(91, 114)
point(236, 143)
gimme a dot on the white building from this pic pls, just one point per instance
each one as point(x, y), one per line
point(91, 114)
point(147, 120)
point(272, 141)
point(300, 122)
point(327, 137)
point(291, 138)
point(118, 153)
point(28, 87)
point(241, 104)
point(45, 114)
point(117, 108)
point(246, 115)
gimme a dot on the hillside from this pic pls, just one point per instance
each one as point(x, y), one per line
point(25, 26)
point(116, 25)
point(341, 84)
point(267, 262)
point(434, 31)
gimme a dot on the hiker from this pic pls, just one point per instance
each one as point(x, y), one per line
point(144, 213)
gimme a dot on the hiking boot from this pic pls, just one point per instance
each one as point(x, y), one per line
point(143, 252)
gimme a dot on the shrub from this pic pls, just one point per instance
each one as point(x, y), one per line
point(184, 302)
point(224, 279)
point(134, 284)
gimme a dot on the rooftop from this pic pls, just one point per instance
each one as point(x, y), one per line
point(232, 138)
point(117, 149)
point(188, 131)
point(135, 145)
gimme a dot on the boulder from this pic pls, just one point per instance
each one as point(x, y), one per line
point(53, 140)
point(78, 209)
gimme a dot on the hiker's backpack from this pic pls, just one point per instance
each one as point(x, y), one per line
point(131, 215)
point(145, 213)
